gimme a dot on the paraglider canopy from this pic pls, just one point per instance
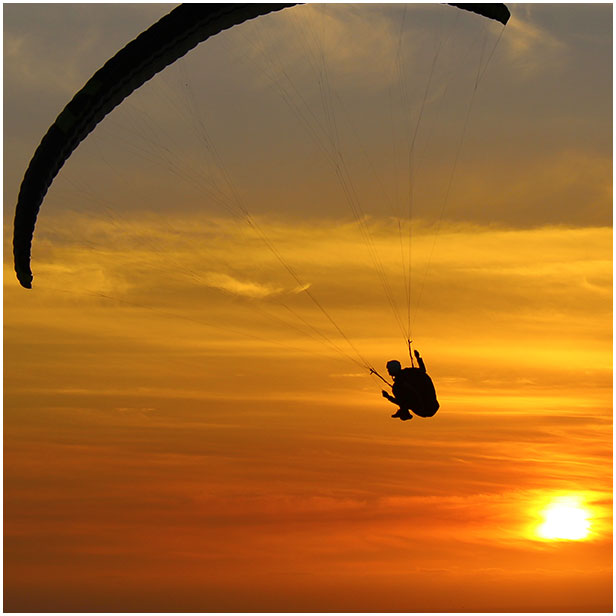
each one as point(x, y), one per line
point(496, 11)
point(160, 45)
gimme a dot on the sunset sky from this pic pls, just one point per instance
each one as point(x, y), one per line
point(189, 419)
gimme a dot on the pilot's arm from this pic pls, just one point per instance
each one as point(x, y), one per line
point(388, 396)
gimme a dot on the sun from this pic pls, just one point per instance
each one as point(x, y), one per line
point(565, 518)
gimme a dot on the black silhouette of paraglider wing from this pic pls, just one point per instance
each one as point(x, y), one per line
point(157, 47)
point(498, 12)
point(160, 45)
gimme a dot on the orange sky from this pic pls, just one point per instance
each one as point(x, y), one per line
point(178, 437)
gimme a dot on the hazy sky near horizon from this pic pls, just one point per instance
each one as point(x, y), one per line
point(185, 430)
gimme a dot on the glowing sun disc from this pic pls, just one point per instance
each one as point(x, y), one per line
point(564, 519)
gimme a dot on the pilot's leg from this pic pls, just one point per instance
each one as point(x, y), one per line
point(403, 414)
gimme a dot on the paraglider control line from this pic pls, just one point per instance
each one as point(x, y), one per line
point(373, 371)
point(409, 341)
